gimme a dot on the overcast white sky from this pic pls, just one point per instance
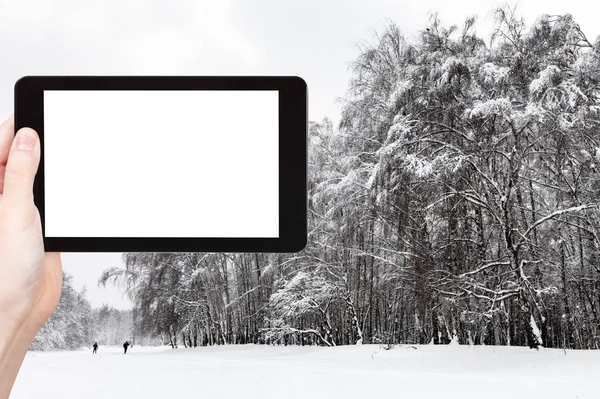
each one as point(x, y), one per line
point(315, 39)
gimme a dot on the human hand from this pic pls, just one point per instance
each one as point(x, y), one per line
point(30, 279)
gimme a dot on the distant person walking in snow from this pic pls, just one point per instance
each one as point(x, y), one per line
point(95, 346)
point(125, 346)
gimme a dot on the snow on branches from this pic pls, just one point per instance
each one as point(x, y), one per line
point(493, 107)
point(493, 74)
point(302, 294)
point(547, 78)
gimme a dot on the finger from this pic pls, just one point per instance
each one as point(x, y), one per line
point(7, 132)
point(21, 167)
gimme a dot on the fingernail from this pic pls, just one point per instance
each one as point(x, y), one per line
point(25, 140)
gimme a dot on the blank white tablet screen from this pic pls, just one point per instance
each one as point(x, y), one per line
point(161, 163)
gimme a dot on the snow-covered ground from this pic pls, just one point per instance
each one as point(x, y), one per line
point(311, 372)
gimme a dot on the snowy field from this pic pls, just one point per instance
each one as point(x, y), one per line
point(311, 372)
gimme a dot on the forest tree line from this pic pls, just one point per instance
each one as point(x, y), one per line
point(457, 200)
point(75, 324)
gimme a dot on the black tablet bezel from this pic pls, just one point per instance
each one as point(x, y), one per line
point(293, 124)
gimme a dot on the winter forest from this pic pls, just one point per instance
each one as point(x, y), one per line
point(455, 202)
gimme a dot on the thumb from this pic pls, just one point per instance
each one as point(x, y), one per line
point(50, 294)
point(21, 167)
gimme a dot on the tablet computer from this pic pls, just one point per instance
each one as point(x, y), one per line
point(169, 164)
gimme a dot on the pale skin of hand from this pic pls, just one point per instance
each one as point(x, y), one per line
point(30, 279)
